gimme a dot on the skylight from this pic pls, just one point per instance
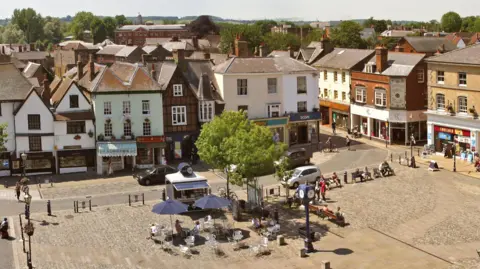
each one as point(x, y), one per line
point(341, 52)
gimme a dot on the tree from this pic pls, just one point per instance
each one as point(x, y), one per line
point(202, 26)
point(279, 41)
point(98, 30)
point(53, 30)
point(3, 136)
point(29, 22)
point(451, 22)
point(476, 25)
point(468, 23)
point(378, 25)
point(121, 20)
point(266, 26)
point(348, 35)
point(282, 172)
point(314, 35)
point(12, 34)
point(81, 22)
point(110, 26)
point(251, 33)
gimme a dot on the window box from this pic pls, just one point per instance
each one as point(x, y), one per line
point(77, 137)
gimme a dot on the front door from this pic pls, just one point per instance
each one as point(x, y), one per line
point(303, 134)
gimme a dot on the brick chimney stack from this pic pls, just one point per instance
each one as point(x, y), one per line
point(381, 54)
point(79, 67)
point(241, 47)
point(46, 95)
point(91, 64)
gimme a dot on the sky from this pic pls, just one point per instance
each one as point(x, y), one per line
point(321, 10)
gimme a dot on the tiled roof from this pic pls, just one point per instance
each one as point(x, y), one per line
point(177, 45)
point(306, 54)
point(85, 81)
point(80, 115)
point(126, 51)
point(153, 27)
point(426, 44)
point(77, 45)
point(200, 76)
point(468, 55)
point(105, 43)
point(262, 65)
point(62, 89)
point(341, 58)
point(110, 50)
point(217, 58)
point(400, 64)
point(30, 55)
point(164, 72)
point(279, 53)
point(316, 53)
point(125, 77)
point(54, 84)
point(34, 81)
point(13, 85)
point(31, 69)
point(314, 44)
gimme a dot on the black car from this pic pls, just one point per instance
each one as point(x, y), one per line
point(155, 175)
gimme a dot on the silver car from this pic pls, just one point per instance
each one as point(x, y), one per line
point(303, 175)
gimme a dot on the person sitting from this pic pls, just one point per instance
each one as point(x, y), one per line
point(325, 209)
point(196, 229)
point(256, 223)
point(178, 228)
point(153, 231)
point(336, 179)
point(359, 174)
point(339, 214)
point(385, 168)
point(4, 229)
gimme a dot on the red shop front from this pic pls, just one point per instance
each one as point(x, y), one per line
point(446, 135)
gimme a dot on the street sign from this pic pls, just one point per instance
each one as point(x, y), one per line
point(5, 163)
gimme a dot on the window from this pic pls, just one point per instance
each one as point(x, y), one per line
point(177, 90)
point(344, 96)
point(34, 122)
point(272, 85)
point(325, 93)
point(361, 95)
point(107, 108)
point(440, 77)
point(370, 68)
point(273, 111)
point(146, 107)
point(335, 76)
point(344, 78)
point(75, 127)
point(35, 143)
point(335, 94)
point(126, 107)
point(440, 101)
point(242, 87)
point(206, 111)
point(380, 97)
point(325, 75)
point(179, 115)
point(244, 109)
point(462, 104)
point(147, 128)
point(0, 109)
point(108, 129)
point(301, 85)
point(127, 128)
point(420, 76)
point(74, 101)
point(302, 106)
point(462, 79)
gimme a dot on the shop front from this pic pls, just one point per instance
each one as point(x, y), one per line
point(444, 136)
point(179, 146)
point(150, 151)
point(5, 169)
point(304, 128)
point(337, 112)
point(119, 155)
point(73, 159)
point(278, 126)
point(37, 163)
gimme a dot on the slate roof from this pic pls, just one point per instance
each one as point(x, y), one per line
point(316, 53)
point(30, 55)
point(126, 51)
point(314, 44)
point(121, 77)
point(430, 44)
point(279, 53)
point(110, 50)
point(263, 65)
point(306, 54)
point(173, 45)
point(399, 63)
point(217, 58)
point(13, 85)
point(77, 45)
point(341, 58)
point(105, 43)
point(34, 81)
point(78, 115)
point(201, 79)
point(153, 27)
point(467, 55)
point(164, 72)
point(31, 69)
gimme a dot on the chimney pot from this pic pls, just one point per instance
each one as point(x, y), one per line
point(381, 57)
point(46, 96)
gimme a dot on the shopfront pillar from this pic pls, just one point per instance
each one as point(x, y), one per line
point(369, 126)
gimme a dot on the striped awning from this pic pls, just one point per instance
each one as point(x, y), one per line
point(116, 149)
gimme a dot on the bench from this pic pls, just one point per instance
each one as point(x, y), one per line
point(376, 173)
point(332, 217)
point(356, 175)
point(388, 172)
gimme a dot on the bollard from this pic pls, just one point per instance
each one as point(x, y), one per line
point(129, 201)
point(406, 155)
point(143, 198)
point(136, 197)
point(75, 206)
point(49, 208)
point(164, 195)
point(399, 159)
point(83, 204)
point(21, 231)
point(345, 177)
point(391, 157)
point(90, 205)
point(27, 212)
point(418, 152)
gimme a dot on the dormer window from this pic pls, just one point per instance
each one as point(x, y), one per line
point(371, 68)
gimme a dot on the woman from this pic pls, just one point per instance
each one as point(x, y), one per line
point(178, 228)
point(336, 179)
point(18, 188)
point(323, 189)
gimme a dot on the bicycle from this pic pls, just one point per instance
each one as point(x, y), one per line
point(222, 192)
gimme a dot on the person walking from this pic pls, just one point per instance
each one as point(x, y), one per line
point(18, 188)
point(110, 167)
point(323, 189)
point(347, 139)
point(334, 127)
point(317, 189)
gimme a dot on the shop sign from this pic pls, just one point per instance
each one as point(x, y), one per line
point(464, 139)
point(272, 122)
point(150, 139)
point(305, 116)
point(72, 147)
point(261, 123)
point(444, 136)
point(452, 131)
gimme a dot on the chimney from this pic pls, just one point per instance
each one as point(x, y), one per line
point(327, 31)
point(206, 55)
point(153, 72)
point(195, 42)
point(178, 55)
point(46, 96)
point(79, 67)
point(381, 54)
point(241, 47)
point(91, 68)
point(398, 48)
point(261, 50)
point(20, 48)
point(326, 44)
point(290, 52)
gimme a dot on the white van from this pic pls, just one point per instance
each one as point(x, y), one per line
point(185, 185)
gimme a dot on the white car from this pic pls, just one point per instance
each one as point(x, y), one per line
point(303, 175)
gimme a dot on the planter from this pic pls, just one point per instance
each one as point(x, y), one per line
point(77, 137)
point(123, 137)
point(100, 137)
point(128, 121)
point(147, 120)
point(29, 229)
point(108, 120)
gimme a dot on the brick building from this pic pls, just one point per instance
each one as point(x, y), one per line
point(137, 34)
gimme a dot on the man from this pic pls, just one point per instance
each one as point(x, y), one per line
point(4, 229)
point(347, 142)
point(334, 127)
point(329, 143)
point(18, 187)
point(323, 189)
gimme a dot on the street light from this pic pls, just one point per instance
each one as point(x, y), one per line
point(24, 160)
point(454, 159)
point(28, 229)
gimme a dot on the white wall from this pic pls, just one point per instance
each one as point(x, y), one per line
point(8, 117)
point(63, 139)
point(34, 105)
point(64, 104)
point(333, 85)
point(23, 145)
point(291, 97)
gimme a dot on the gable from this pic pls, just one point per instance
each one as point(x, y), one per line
point(142, 82)
point(178, 78)
point(33, 104)
point(64, 104)
point(110, 82)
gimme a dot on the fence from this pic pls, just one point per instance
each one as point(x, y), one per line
point(76, 207)
point(136, 199)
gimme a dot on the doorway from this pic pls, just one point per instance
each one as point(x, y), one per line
point(302, 134)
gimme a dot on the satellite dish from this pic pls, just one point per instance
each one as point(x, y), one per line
point(185, 169)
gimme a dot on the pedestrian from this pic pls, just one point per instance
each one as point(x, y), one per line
point(153, 231)
point(26, 189)
point(323, 190)
point(110, 167)
point(18, 188)
point(4, 229)
point(334, 127)
point(347, 142)
point(317, 189)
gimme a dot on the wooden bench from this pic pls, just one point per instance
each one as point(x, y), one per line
point(356, 175)
point(332, 217)
point(376, 173)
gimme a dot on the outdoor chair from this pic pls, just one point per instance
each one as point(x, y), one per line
point(264, 244)
point(185, 250)
point(190, 241)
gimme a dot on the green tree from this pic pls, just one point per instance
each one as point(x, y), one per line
point(3, 136)
point(451, 22)
point(29, 22)
point(378, 25)
point(476, 25)
point(314, 35)
point(279, 41)
point(468, 23)
point(433, 26)
point(251, 33)
point(110, 26)
point(169, 21)
point(283, 172)
point(348, 35)
point(99, 33)
point(12, 34)
point(121, 20)
point(53, 29)
point(81, 22)
point(266, 26)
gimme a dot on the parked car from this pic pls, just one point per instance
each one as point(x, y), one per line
point(296, 157)
point(303, 175)
point(156, 175)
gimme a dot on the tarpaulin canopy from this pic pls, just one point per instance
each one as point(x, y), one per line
point(116, 149)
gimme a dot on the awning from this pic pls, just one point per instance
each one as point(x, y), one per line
point(115, 149)
point(191, 185)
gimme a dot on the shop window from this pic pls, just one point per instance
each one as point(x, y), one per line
point(420, 75)
point(302, 106)
point(335, 94)
point(74, 101)
point(206, 111)
point(177, 90)
point(127, 128)
point(344, 96)
point(380, 97)
point(144, 156)
point(73, 161)
point(34, 122)
point(126, 107)
point(272, 85)
point(440, 77)
point(344, 78)
point(108, 129)
point(335, 76)
point(75, 127)
point(107, 108)
point(462, 104)
point(35, 143)
point(273, 111)
point(146, 107)
point(242, 87)
point(38, 164)
point(325, 74)
point(361, 95)
point(147, 128)
point(244, 109)
point(440, 98)
point(462, 79)
point(301, 85)
point(179, 115)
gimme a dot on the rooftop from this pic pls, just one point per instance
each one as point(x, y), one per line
point(152, 27)
point(430, 44)
point(110, 50)
point(31, 69)
point(285, 65)
point(30, 55)
point(13, 85)
point(343, 58)
point(126, 51)
point(468, 55)
point(400, 63)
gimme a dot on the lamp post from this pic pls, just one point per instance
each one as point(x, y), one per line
point(29, 229)
point(24, 160)
point(454, 149)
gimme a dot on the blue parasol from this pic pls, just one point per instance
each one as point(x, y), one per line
point(170, 207)
point(212, 202)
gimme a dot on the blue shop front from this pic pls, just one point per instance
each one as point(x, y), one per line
point(304, 127)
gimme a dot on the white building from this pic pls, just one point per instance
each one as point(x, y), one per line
point(14, 87)
point(279, 92)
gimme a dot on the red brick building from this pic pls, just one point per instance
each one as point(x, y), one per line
point(137, 34)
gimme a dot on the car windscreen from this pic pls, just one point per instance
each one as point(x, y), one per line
point(297, 172)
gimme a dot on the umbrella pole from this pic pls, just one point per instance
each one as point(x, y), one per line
point(171, 224)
